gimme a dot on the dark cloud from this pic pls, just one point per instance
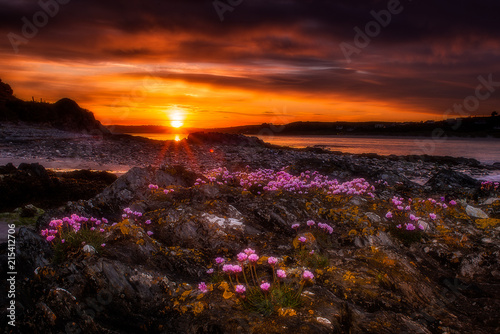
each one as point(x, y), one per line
point(432, 52)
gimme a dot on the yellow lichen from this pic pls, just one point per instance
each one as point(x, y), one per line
point(287, 312)
point(488, 222)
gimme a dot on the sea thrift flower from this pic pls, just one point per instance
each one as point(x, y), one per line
point(101, 230)
point(253, 258)
point(452, 202)
point(388, 215)
point(281, 273)
point(240, 288)
point(310, 223)
point(227, 268)
point(103, 245)
point(203, 287)
point(63, 241)
point(410, 227)
point(236, 269)
point(149, 233)
point(311, 252)
point(147, 222)
point(272, 261)
point(295, 226)
point(219, 260)
point(210, 271)
point(413, 217)
point(420, 226)
point(307, 275)
point(50, 238)
point(265, 286)
point(153, 186)
point(432, 215)
point(242, 257)
point(249, 251)
point(302, 239)
point(398, 226)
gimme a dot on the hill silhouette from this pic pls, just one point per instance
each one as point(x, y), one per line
point(65, 114)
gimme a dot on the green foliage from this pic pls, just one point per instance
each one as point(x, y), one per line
point(73, 242)
point(315, 260)
point(267, 303)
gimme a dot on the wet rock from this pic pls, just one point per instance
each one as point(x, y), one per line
point(448, 181)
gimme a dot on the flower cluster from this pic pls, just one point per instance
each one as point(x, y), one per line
point(311, 223)
point(156, 187)
point(246, 269)
point(73, 223)
point(135, 215)
point(270, 180)
point(489, 185)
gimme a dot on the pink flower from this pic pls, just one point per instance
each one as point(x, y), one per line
point(203, 287)
point(44, 232)
point(236, 269)
point(432, 215)
point(398, 226)
point(272, 261)
point(295, 226)
point(149, 233)
point(310, 223)
point(219, 260)
point(50, 238)
point(307, 275)
point(410, 227)
point(153, 186)
point(388, 215)
point(253, 258)
point(281, 273)
point(420, 226)
point(210, 271)
point(242, 257)
point(147, 222)
point(265, 286)
point(240, 288)
point(227, 268)
point(311, 252)
point(63, 241)
point(302, 239)
point(101, 230)
point(103, 245)
point(452, 202)
point(249, 251)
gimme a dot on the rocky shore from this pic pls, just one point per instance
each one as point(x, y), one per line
point(347, 243)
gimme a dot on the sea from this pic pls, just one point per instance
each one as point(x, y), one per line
point(485, 150)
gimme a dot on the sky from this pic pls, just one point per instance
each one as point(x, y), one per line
point(235, 62)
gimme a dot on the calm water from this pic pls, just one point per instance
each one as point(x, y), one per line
point(485, 150)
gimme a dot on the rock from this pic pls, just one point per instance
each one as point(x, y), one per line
point(32, 251)
point(373, 217)
point(211, 138)
point(491, 200)
point(475, 212)
point(447, 180)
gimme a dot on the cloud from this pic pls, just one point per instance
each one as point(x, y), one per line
point(428, 56)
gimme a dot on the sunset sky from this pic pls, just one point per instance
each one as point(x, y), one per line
point(200, 64)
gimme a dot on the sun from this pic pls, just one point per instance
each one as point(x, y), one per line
point(177, 116)
point(176, 124)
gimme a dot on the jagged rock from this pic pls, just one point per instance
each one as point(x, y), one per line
point(448, 181)
point(211, 138)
